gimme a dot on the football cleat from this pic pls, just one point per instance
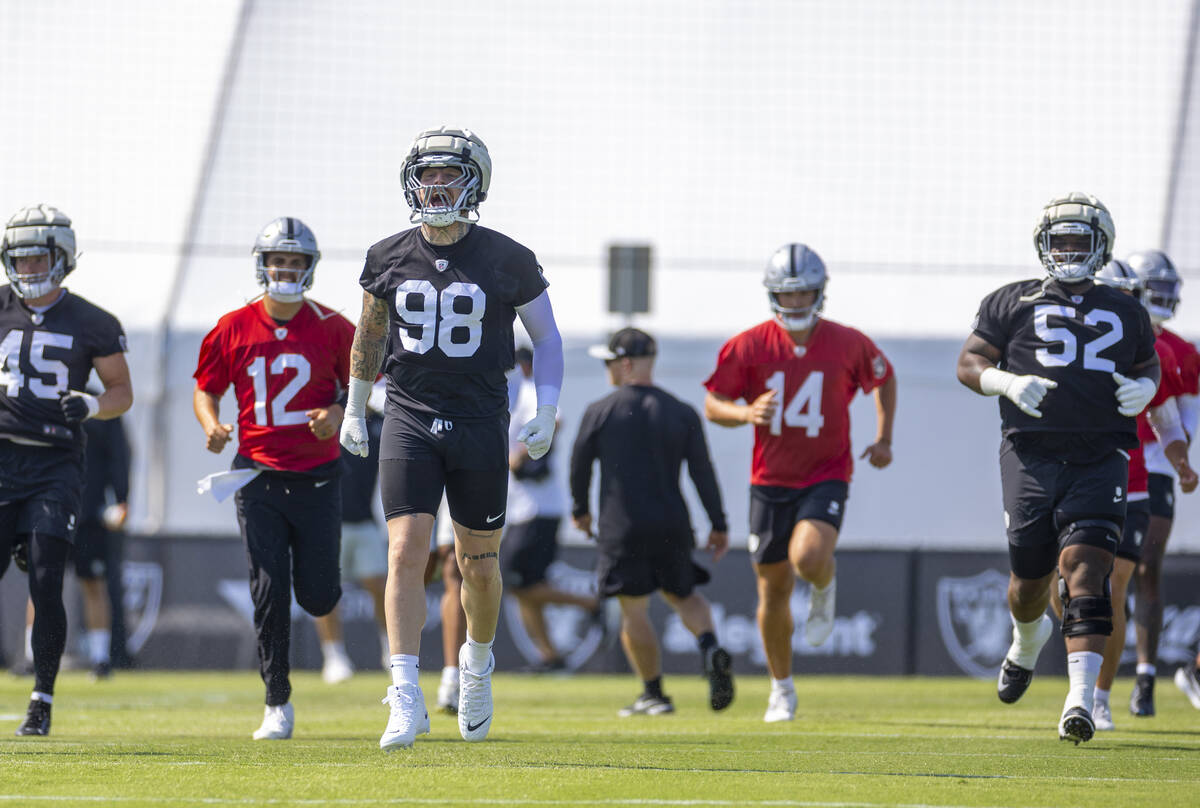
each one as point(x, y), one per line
point(1076, 725)
point(1141, 701)
point(648, 705)
point(1187, 681)
point(37, 719)
point(101, 671)
point(1102, 716)
point(277, 724)
point(447, 695)
point(408, 717)
point(337, 669)
point(718, 667)
point(1014, 681)
point(474, 698)
point(819, 625)
point(781, 706)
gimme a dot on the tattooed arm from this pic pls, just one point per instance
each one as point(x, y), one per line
point(366, 357)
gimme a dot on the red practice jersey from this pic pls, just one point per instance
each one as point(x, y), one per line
point(279, 372)
point(1170, 384)
point(808, 441)
point(1188, 358)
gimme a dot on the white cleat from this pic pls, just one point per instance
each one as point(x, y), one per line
point(1185, 680)
point(408, 717)
point(781, 706)
point(821, 604)
point(337, 668)
point(474, 698)
point(277, 723)
point(447, 695)
point(1102, 716)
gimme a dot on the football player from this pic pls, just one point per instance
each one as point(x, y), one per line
point(1161, 286)
point(1073, 362)
point(797, 374)
point(288, 359)
point(50, 342)
point(446, 293)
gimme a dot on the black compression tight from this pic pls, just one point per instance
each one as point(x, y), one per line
point(47, 563)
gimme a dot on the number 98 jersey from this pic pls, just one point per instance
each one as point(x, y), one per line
point(1077, 337)
point(451, 312)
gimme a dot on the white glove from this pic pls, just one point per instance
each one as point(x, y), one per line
point(1026, 392)
point(354, 424)
point(1133, 394)
point(538, 433)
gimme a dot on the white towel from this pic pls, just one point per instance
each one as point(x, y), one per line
point(224, 484)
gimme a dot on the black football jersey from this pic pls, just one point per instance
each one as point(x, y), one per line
point(44, 355)
point(451, 318)
point(1076, 336)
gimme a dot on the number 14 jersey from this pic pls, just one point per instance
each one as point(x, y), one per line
point(808, 440)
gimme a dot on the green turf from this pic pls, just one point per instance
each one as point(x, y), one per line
point(184, 740)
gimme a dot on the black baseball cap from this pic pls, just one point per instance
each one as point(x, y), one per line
point(626, 343)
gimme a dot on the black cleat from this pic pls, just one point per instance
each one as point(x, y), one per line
point(1141, 701)
point(718, 667)
point(101, 670)
point(1014, 681)
point(37, 719)
point(1076, 725)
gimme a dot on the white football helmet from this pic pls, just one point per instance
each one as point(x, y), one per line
point(1075, 217)
point(287, 234)
point(1119, 275)
point(38, 230)
point(795, 268)
point(441, 205)
point(1160, 281)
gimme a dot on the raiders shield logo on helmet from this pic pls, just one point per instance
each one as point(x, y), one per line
point(974, 621)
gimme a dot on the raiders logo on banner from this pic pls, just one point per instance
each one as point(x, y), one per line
point(974, 621)
point(143, 582)
point(571, 629)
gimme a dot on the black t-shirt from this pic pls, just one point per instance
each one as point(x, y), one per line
point(360, 474)
point(451, 318)
point(641, 435)
point(44, 355)
point(1077, 336)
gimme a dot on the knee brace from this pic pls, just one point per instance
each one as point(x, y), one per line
point(1086, 614)
point(1102, 533)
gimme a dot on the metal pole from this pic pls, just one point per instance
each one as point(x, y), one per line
point(1185, 97)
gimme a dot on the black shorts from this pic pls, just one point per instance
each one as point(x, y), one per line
point(1162, 496)
point(529, 549)
point(1137, 522)
point(422, 455)
point(775, 511)
point(91, 550)
point(40, 490)
point(640, 565)
point(1042, 496)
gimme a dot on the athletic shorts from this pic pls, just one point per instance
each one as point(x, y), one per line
point(528, 550)
point(364, 551)
point(91, 550)
point(637, 566)
point(1043, 496)
point(1162, 496)
point(776, 510)
point(1137, 522)
point(443, 529)
point(422, 456)
point(40, 490)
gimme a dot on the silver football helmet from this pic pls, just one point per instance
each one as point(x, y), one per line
point(1074, 236)
point(1161, 283)
point(33, 231)
point(287, 234)
point(1119, 275)
point(795, 268)
point(441, 205)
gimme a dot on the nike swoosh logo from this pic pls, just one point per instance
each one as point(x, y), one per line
point(323, 482)
point(472, 727)
point(491, 519)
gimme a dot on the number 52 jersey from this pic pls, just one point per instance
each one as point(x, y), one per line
point(808, 440)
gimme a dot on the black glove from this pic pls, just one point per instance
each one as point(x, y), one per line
point(20, 555)
point(78, 407)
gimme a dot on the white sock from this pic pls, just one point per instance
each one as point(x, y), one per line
point(784, 685)
point(1101, 696)
point(38, 695)
point(406, 669)
point(333, 648)
point(478, 654)
point(1083, 667)
point(1147, 667)
point(1025, 646)
point(450, 673)
point(29, 643)
point(98, 641)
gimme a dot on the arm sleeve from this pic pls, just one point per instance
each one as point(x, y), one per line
point(538, 318)
point(700, 469)
point(1164, 420)
point(1189, 413)
point(583, 454)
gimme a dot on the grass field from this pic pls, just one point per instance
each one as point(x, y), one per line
point(166, 739)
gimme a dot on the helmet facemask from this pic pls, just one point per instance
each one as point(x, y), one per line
point(289, 236)
point(1072, 251)
point(797, 319)
point(1160, 298)
point(279, 290)
point(32, 285)
point(442, 205)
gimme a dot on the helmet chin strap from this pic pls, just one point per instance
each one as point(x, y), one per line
point(291, 292)
point(797, 323)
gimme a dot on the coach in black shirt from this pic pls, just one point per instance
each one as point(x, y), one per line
point(641, 434)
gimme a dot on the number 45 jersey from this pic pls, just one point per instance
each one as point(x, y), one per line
point(808, 440)
point(279, 371)
point(451, 318)
point(44, 355)
point(1076, 337)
